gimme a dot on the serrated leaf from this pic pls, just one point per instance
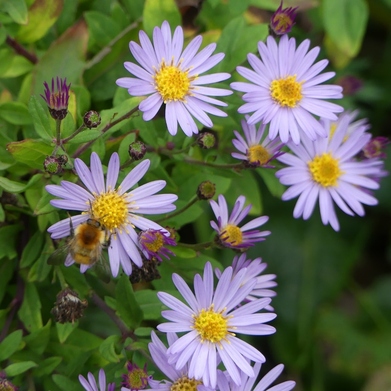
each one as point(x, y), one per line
point(30, 311)
point(40, 118)
point(30, 152)
point(108, 348)
point(127, 306)
point(10, 344)
point(16, 9)
point(18, 368)
point(41, 16)
point(157, 11)
point(15, 113)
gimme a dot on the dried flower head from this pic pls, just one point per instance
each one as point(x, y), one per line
point(68, 307)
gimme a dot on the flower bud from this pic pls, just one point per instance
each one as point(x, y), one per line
point(57, 98)
point(136, 378)
point(68, 307)
point(137, 150)
point(206, 190)
point(54, 164)
point(206, 140)
point(375, 148)
point(91, 119)
point(282, 20)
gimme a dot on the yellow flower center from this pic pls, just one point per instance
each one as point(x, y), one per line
point(211, 326)
point(282, 21)
point(137, 379)
point(286, 92)
point(185, 384)
point(325, 170)
point(111, 209)
point(258, 154)
point(157, 244)
point(232, 235)
point(172, 83)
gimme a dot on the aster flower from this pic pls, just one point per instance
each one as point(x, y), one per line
point(256, 148)
point(90, 384)
point(136, 378)
point(171, 76)
point(178, 379)
point(118, 210)
point(229, 234)
point(284, 89)
point(283, 20)
point(210, 323)
point(152, 243)
point(254, 269)
point(327, 169)
point(225, 384)
point(57, 97)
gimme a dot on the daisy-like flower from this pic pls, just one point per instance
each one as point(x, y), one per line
point(211, 322)
point(229, 234)
point(178, 379)
point(225, 383)
point(90, 384)
point(152, 243)
point(285, 90)
point(256, 148)
point(254, 269)
point(327, 169)
point(117, 209)
point(171, 76)
point(57, 97)
point(136, 378)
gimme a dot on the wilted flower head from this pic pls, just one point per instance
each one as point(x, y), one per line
point(136, 378)
point(90, 384)
point(283, 20)
point(171, 76)
point(256, 148)
point(57, 97)
point(229, 233)
point(118, 209)
point(153, 244)
point(68, 307)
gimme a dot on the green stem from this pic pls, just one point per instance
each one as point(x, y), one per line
point(84, 147)
point(197, 246)
point(169, 152)
point(193, 200)
point(237, 166)
point(58, 137)
point(81, 128)
point(61, 278)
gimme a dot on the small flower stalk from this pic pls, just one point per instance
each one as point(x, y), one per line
point(68, 307)
point(57, 97)
point(282, 20)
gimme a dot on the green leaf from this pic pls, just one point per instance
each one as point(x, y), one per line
point(85, 136)
point(64, 383)
point(8, 236)
point(149, 303)
point(15, 65)
point(108, 348)
point(18, 368)
point(47, 366)
point(102, 28)
point(64, 330)
point(134, 8)
point(15, 113)
point(127, 306)
point(157, 11)
point(32, 250)
point(16, 9)
point(30, 311)
point(16, 187)
point(38, 340)
point(41, 16)
point(271, 181)
point(6, 271)
point(40, 118)
point(10, 344)
point(345, 23)
point(30, 152)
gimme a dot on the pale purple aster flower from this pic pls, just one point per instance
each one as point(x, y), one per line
point(285, 90)
point(171, 76)
point(90, 384)
point(326, 169)
point(256, 148)
point(117, 209)
point(152, 243)
point(254, 269)
point(224, 382)
point(211, 322)
point(230, 234)
point(178, 379)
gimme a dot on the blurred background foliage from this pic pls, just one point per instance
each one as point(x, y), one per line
point(334, 288)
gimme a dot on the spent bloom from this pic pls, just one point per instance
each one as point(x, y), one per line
point(90, 384)
point(327, 170)
point(247, 384)
point(283, 20)
point(256, 148)
point(171, 76)
point(57, 97)
point(254, 269)
point(118, 210)
point(153, 244)
point(229, 233)
point(136, 378)
point(211, 321)
point(285, 90)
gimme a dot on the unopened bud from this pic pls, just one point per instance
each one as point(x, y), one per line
point(92, 119)
point(137, 150)
point(53, 164)
point(206, 140)
point(136, 378)
point(206, 190)
point(282, 20)
point(68, 307)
